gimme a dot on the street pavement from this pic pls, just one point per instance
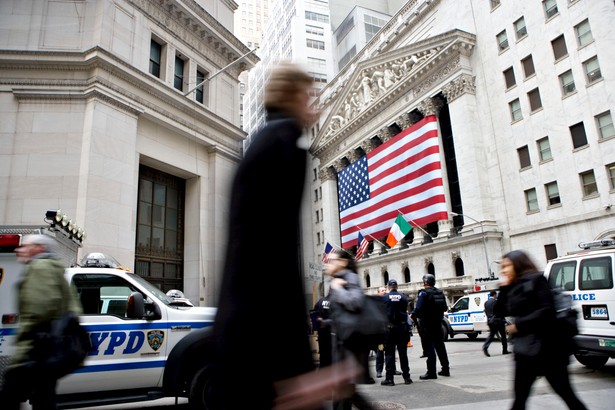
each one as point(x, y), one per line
point(477, 382)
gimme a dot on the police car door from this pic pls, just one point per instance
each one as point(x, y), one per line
point(129, 353)
point(459, 315)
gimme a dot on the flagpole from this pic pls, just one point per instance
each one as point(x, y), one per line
point(414, 223)
point(366, 234)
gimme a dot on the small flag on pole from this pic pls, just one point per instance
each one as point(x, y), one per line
point(399, 229)
point(362, 246)
point(325, 255)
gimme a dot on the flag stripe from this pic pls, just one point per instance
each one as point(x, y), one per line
point(402, 175)
point(362, 248)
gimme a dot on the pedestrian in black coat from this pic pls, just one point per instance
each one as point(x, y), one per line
point(538, 350)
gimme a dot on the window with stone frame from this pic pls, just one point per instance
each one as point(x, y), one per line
point(544, 149)
point(528, 66)
point(201, 94)
point(579, 137)
point(534, 98)
point(610, 172)
point(531, 200)
point(155, 57)
point(509, 77)
point(592, 70)
point(524, 157)
point(550, 251)
point(604, 122)
point(502, 40)
point(566, 81)
point(588, 183)
point(178, 73)
point(559, 47)
point(584, 33)
point(515, 110)
point(550, 7)
point(520, 28)
point(552, 192)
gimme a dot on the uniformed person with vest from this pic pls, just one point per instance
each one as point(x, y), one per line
point(397, 336)
point(429, 310)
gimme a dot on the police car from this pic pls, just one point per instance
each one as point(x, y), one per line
point(467, 316)
point(146, 345)
point(587, 276)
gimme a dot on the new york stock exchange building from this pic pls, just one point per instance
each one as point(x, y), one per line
point(526, 163)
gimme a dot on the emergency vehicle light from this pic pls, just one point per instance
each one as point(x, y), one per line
point(596, 244)
point(10, 241)
point(99, 260)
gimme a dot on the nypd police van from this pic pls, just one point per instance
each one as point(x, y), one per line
point(467, 316)
point(587, 276)
point(146, 345)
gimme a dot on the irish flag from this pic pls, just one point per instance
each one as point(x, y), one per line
point(399, 229)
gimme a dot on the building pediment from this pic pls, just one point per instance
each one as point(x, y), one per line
point(372, 85)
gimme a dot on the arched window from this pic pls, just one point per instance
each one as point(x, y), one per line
point(385, 276)
point(407, 275)
point(459, 269)
point(431, 269)
point(368, 281)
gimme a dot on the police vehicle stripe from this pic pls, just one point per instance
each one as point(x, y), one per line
point(145, 326)
point(96, 368)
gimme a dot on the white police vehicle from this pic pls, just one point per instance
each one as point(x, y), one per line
point(587, 276)
point(467, 316)
point(146, 345)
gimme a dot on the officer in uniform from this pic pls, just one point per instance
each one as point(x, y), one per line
point(429, 310)
point(397, 336)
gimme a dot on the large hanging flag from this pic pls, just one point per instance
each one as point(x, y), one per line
point(402, 175)
point(399, 229)
point(325, 255)
point(362, 245)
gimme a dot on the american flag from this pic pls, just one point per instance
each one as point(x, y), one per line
point(325, 255)
point(362, 247)
point(402, 175)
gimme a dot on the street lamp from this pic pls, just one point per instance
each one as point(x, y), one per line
point(482, 230)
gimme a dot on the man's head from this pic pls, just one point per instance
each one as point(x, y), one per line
point(382, 290)
point(392, 284)
point(429, 280)
point(493, 293)
point(32, 245)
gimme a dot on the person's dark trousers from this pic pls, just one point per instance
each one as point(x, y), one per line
point(556, 373)
point(435, 346)
point(23, 382)
point(424, 341)
point(325, 348)
point(497, 328)
point(379, 360)
point(44, 395)
point(397, 340)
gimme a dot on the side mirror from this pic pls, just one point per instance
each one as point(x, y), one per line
point(136, 306)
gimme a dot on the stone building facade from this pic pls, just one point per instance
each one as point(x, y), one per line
point(524, 99)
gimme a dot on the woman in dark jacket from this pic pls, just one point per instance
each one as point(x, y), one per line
point(538, 349)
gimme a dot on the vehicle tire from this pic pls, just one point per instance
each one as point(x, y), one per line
point(201, 396)
point(472, 336)
point(444, 332)
point(593, 362)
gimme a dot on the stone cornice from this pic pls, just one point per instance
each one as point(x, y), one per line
point(138, 88)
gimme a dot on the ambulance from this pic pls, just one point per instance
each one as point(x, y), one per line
point(467, 315)
point(587, 276)
point(146, 345)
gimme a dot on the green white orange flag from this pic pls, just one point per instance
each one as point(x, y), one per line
point(399, 229)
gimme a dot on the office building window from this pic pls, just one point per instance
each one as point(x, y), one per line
point(319, 77)
point(531, 201)
point(524, 157)
point(178, 74)
point(201, 94)
point(567, 82)
point(372, 26)
point(520, 28)
point(317, 62)
point(588, 183)
point(509, 77)
point(604, 122)
point(550, 251)
point(559, 47)
point(515, 110)
point(534, 97)
point(592, 70)
point(155, 58)
point(321, 18)
point(584, 33)
point(314, 30)
point(319, 45)
point(610, 171)
point(502, 40)
point(552, 192)
point(544, 149)
point(577, 132)
point(550, 7)
point(528, 66)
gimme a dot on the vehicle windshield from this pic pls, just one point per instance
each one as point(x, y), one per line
point(155, 291)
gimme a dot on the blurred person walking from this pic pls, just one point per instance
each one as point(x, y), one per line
point(346, 293)
point(497, 325)
point(537, 345)
point(278, 365)
point(429, 310)
point(43, 295)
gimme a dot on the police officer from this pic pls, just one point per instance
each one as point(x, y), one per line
point(429, 310)
point(397, 336)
